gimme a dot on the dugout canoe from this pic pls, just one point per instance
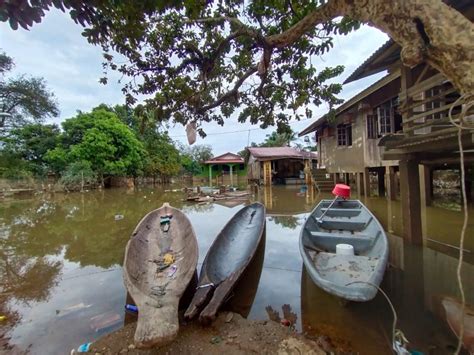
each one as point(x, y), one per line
point(160, 260)
point(351, 277)
point(227, 258)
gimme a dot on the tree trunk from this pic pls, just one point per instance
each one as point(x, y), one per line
point(427, 30)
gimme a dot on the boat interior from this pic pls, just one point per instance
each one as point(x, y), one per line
point(345, 222)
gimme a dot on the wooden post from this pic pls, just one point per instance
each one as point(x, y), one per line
point(406, 82)
point(391, 183)
point(307, 172)
point(231, 179)
point(381, 181)
point(426, 184)
point(210, 175)
point(267, 197)
point(366, 182)
point(267, 173)
point(411, 204)
point(359, 185)
point(362, 185)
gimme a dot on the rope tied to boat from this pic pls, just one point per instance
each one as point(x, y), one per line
point(399, 341)
point(465, 123)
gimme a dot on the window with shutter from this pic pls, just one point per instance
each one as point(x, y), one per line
point(372, 130)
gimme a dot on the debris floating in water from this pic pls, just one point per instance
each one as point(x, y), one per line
point(70, 309)
point(118, 217)
point(84, 348)
point(131, 308)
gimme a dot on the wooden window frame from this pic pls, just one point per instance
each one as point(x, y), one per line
point(344, 135)
point(372, 127)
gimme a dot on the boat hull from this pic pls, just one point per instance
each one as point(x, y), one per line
point(160, 261)
point(352, 277)
point(226, 260)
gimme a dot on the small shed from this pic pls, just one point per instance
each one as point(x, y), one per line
point(226, 164)
point(280, 165)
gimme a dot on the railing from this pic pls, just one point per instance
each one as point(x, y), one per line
point(425, 106)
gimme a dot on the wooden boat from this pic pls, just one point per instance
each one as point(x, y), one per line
point(226, 260)
point(160, 260)
point(347, 222)
point(453, 310)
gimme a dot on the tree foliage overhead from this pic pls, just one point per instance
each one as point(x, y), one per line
point(203, 59)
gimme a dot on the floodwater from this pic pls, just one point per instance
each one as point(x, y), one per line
point(61, 279)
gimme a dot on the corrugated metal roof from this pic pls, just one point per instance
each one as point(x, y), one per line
point(226, 158)
point(313, 126)
point(365, 68)
point(273, 153)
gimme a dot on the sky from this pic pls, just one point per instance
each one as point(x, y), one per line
point(56, 50)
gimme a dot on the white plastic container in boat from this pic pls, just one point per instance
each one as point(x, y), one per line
point(344, 249)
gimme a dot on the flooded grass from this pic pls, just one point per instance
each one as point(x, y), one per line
point(61, 277)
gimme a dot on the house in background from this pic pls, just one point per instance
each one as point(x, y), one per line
point(348, 142)
point(280, 165)
point(225, 169)
point(399, 123)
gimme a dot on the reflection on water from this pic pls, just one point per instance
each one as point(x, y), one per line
point(61, 278)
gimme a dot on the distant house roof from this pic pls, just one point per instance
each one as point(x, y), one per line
point(226, 159)
point(352, 101)
point(274, 153)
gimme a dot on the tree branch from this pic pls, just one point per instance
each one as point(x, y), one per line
point(226, 41)
point(326, 12)
point(234, 91)
point(242, 28)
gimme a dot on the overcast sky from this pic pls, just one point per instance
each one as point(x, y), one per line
point(55, 50)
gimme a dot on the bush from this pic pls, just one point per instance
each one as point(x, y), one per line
point(77, 176)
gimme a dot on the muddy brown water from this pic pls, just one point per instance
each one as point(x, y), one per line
point(61, 279)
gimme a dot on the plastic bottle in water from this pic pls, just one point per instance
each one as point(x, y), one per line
point(131, 308)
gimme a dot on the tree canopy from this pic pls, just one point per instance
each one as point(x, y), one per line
point(203, 60)
point(23, 99)
point(31, 143)
point(193, 156)
point(105, 142)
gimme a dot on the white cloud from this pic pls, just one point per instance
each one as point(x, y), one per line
point(56, 50)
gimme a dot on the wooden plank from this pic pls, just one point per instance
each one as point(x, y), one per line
point(429, 99)
point(422, 74)
point(426, 84)
point(405, 83)
point(432, 122)
point(427, 113)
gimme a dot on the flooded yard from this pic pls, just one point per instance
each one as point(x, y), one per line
point(61, 276)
